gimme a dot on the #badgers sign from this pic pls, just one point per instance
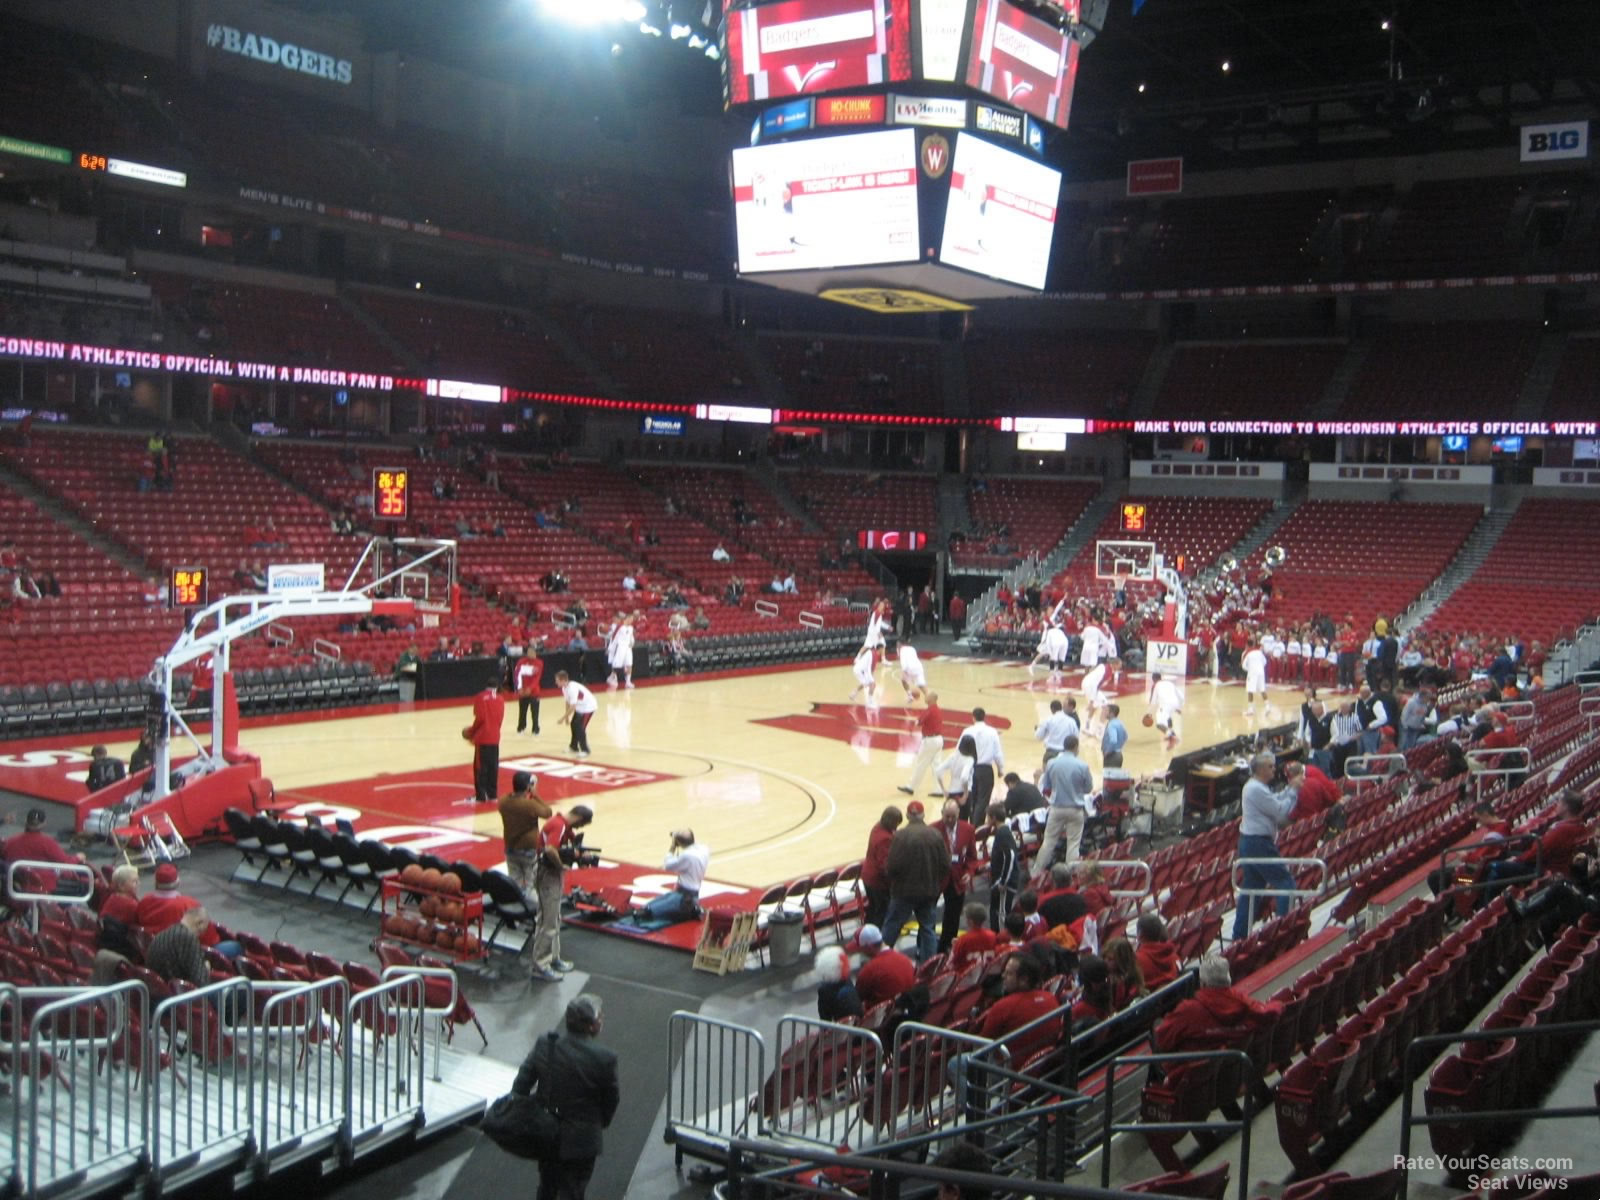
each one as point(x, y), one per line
point(227, 40)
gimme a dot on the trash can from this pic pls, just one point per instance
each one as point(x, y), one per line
point(784, 927)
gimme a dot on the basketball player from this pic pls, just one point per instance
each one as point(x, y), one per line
point(1053, 648)
point(865, 680)
point(1097, 642)
point(876, 622)
point(488, 711)
point(619, 652)
point(1166, 701)
point(581, 706)
point(912, 677)
point(1094, 699)
point(1255, 679)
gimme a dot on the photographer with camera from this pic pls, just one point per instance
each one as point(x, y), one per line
point(688, 859)
point(560, 846)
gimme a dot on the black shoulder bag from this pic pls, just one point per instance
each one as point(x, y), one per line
point(525, 1125)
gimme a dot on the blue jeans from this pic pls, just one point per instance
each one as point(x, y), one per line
point(900, 909)
point(1273, 875)
point(674, 906)
point(1369, 740)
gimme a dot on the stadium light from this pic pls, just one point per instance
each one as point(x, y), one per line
point(679, 32)
point(713, 53)
point(594, 12)
point(696, 41)
point(649, 30)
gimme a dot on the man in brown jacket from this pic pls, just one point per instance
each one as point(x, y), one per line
point(918, 865)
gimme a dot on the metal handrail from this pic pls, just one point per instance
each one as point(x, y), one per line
point(288, 1114)
point(1319, 890)
point(33, 899)
point(1408, 1117)
point(811, 620)
point(11, 1001)
point(1355, 767)
point(1120, 864)
point(46, 1140)
point(195, 1118)
point(439, 1013)
point(1453, 853)
point(327, 651)
point(384, 1057)
point(1253, 1087)
point(697, 1090)
point(765, 608)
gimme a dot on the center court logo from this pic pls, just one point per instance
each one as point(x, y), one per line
point(228, 40)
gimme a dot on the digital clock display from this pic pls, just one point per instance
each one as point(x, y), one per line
point(1133, 518)
point(189, 587)
point(391, 493)
point(93, 162)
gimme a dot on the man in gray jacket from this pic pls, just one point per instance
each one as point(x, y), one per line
point(577, 1080)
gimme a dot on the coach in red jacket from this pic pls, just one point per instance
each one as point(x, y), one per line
point(488, 712)
point(962, 840)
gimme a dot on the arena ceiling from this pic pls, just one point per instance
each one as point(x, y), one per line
point(1304, 78)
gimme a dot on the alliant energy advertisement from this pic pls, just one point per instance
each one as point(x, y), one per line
point(803, 47)
point(1023, 61)
point(829, 202)
point(1002, 213)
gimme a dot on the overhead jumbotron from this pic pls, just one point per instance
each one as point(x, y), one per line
point(896, 156)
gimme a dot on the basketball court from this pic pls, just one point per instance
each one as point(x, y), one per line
point(773, 770)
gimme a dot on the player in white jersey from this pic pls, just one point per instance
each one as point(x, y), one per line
point(1095, 699)
point(912, 677)
point(866, 659)
point(1254, 663)
point(876, 623)
point(1166, 701)
point(1097, 643)
point(619, 653)
point(1053, 649)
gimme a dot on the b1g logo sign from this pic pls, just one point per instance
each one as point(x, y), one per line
point(1544, 143)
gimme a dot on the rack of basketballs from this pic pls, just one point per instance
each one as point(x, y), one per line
point(427, 907)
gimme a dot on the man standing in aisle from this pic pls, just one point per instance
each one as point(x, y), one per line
point(488, 713)
point(1264, 813)
point(931, 723)
point(525, 678)
point(961, 842)
point(1069, 786)
point(576, 1078)
point(989, 761)
point(918, 864)
point(559, 834)
point(958, 615)
point(581, 706)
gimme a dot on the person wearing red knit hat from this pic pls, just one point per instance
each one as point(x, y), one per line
point(164, 906)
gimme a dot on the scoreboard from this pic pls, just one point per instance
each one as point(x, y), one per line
point(189, 588)
point(1134, 518)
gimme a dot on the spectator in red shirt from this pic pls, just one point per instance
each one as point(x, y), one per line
point(875, 866)
point(1558, 843)
point(123, 902)
point(1318, 793)
point(1491, 829)
point(33, 844)
point(1157, 957)
point(977, 938)
point(886, 973)
point(488, 714)
point(164, 906)
point(1023, 1002)
point(1217, 1006)
point(958, 615)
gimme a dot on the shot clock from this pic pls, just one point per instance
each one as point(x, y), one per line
point(391, 493)
point(190, 587)
point(1133, 518)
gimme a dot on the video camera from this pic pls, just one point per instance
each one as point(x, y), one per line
point(574, 854)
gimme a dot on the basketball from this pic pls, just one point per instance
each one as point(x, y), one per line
point(1147, 720)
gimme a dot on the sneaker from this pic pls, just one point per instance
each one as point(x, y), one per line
point(561, 965)
point(544, 975)
point(630, 683)
point(580, 754)
point(906, 790)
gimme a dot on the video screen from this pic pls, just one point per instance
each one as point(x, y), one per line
point(1023, 61)
point(1001, 216)
point(829, 202)
point(802, 47)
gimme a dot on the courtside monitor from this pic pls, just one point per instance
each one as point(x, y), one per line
point(825, 203)
point(805, 47)
point(1001, 215)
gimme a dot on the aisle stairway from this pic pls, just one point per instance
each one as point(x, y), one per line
point(1473, 552)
